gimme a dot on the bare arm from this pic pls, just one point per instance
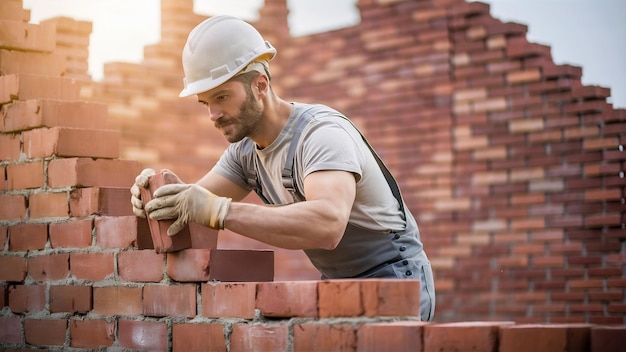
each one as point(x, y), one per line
point(319, 222)
point(223, 187)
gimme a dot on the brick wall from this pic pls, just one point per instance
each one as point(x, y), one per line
point(513, 168)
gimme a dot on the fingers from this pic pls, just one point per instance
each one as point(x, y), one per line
point(170, 189)
point(142, 179)
point(176, 227)
point(137, 207)
point(170, 177)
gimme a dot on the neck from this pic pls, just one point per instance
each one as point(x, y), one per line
point(275, 115)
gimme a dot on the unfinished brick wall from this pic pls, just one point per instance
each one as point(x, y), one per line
point(511, 166)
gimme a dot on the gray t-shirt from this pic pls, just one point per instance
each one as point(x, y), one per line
point(328, 142)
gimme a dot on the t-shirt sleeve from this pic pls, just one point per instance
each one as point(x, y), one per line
point(230, 165)
point(331, 145)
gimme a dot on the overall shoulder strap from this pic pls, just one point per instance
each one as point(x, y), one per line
point(288, 176)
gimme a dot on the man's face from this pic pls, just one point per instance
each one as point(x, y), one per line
point(234, 109)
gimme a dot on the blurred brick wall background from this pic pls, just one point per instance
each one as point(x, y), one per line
point(513, 168)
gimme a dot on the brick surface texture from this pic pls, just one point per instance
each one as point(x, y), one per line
point(513, 168)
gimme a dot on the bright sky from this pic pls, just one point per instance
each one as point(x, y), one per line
point(587, 33)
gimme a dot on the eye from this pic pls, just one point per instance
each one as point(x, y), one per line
point(221, 98)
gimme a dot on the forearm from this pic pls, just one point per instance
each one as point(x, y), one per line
point(303, 225)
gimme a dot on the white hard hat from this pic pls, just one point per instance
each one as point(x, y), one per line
point(218, 49)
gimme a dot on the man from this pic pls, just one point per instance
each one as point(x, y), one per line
point(332, 196)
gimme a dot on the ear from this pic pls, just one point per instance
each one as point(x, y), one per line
point(262, 85)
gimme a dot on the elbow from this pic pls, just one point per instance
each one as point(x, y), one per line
point(332, 237)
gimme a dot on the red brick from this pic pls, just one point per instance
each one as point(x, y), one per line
point(92, 266)
point(71, 142)
point(11, 330)
point(554, 337)
point(70, 25)
point(117, 300)
point(48, 267)
point(28, 237)
point(72, 299)
point(45, 87)
point(91, 334)
point(12, 207)
point(3, 236)
point(120, 232)
point(608, 338)
point(9, 88)
point(340, 298)
point(198, 337)
point(391, 297)
point(25, 176)
point(11, 10)
point(287, 299)
point(71, 234)
point(140, 266)
point(49, 205)
point(324, 337)
point(228, 300)
point(161, 241)
point(86, 172)
point(27, 298)
point(471, 336)
point(259, 337)
point(162, 300)
point(29, 114)
point(45, 332)
point(153, 335)
point(396, 336)
point(12, 268)
point(47, 64)
point(100, 201)
point(202, 236)
point(3, 181)
point(189, 265)
point(22, 36)
point(241, 265)
point(10, 147)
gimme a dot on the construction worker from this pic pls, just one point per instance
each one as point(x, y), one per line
point(326, 191)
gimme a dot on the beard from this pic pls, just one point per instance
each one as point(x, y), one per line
point(246, 121)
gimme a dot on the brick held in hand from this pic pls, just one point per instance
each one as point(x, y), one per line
point(158, 229)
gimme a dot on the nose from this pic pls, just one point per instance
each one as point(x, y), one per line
point(214, 112)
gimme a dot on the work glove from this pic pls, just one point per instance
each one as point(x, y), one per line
point(185, 203)
point(141, 181)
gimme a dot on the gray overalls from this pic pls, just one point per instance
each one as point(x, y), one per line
point(361, 253)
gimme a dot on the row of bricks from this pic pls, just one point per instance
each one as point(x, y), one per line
point(23, 115)
point(279, 299)
point(29, 86)
point(61, 142)
point(70, 172)
point(121, 230)
point(191, 265)
point(358, 336)
point(47, 64)
point(233, 300)
point(24, 36)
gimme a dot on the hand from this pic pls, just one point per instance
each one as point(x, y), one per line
point(188, 202)
point(141, 181)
